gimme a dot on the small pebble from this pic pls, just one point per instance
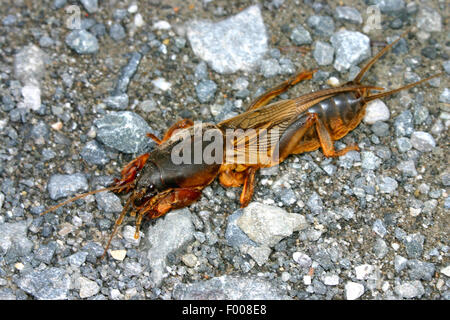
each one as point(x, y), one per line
point(376, 110)
point(206, 90)
point(353, 290)
point(118, 254)
point(301, 36)
point(323, 53)
point(422, 141)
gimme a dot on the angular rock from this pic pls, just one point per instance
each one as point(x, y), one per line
point(301, 36)
point(168, 234)
point(236, 43)
point(267, 225)
point(124, 130)
point(63, 185)
point(323, 53)
point(47, 284)
point(230, 288)
point(348, 14)
point(82, 42)
point(351, 48)
point(94, 153)
point(321, 25)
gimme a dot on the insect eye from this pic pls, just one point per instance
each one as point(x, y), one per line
point(150, 188)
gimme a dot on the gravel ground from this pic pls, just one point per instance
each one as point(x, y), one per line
point(78, 96)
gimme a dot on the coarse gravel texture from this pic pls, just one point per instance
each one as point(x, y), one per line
point(76, 104)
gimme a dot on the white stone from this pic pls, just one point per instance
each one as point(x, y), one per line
point(133, 8)
point(363, 271)
point(238, 42)
point(31, 97)
point(353, 290)
point(88, 288)
point(162, 25)
point(333, 81)
point(376, 110)
point(331, 280)
point(118, 254)
point(162, 84)
point(138, 20)
point(446, 271)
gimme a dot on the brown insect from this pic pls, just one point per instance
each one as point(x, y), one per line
point(157, 185)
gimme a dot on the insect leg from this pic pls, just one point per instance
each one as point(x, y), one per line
point(266, 97)
point(129, 172)
point(182, 124)
point(327, 143)
point(231, 178)
point(249, 184)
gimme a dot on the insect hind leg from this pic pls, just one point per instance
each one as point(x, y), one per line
point(182, 124)
point(270, 94)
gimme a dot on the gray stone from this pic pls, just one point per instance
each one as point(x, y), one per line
point(400, 263)
point(118, 102)
point(77, 259)
point(446, 65)
point(108, 202)
point(380, 248)
point(302, 259)
point(445, 96)
point(29, 64)
point(201, 71)
point(126, 73)
point(315, 203)
point(387, 184)
point(419, 270)
point(348, 14)
point(132, 268)
point(270, 67)
point(404, 144)
point(124, 130)
point(422, 141)
point(234, 235)
point(88, 288)
point(380, 129)
point(409, 289)
point(301, 36)
point(323, 53)
point(46, 252)
point(379, 228)
point(350, 48)
point(267, 225)
point(414, 245)
point(94, 153)
point(91, 6)
point(117, 32)
point(236, 43)
point(230, 288)
point(321, 25)
point(9, 20)
point(82, 42)
point(63, 185)
point(391, 7)
point(408, 168)
point(13, 240)
point(369, 160)
point(206, 90)
point(47, 284)
point(429, 20)
point(168, 234)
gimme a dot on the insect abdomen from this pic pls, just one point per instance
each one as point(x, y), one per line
point(340, 113)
